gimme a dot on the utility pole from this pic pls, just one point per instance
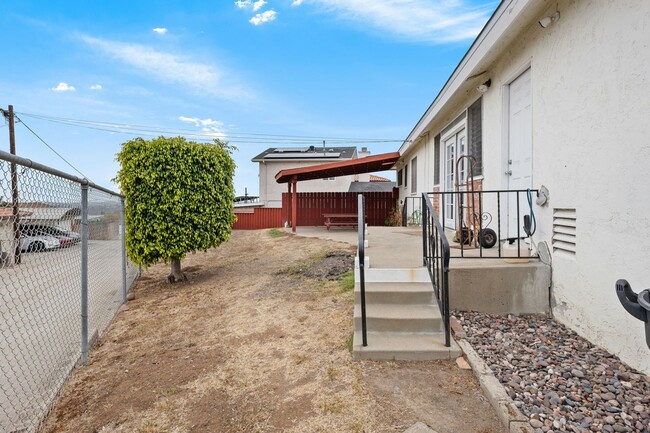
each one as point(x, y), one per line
point(9, 115)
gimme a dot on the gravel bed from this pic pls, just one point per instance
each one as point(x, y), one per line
point(559, 380)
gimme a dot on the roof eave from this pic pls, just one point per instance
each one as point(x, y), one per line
point(501, 20)
point(377, 162)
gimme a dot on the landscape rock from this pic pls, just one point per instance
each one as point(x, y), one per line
point(557, 379)
point(462, 364)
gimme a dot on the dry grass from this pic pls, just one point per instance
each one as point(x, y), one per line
point(241, 347)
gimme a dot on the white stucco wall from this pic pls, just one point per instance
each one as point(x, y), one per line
point(423, 151)
point(271, 191)
point(590, 73)
point(591, 148)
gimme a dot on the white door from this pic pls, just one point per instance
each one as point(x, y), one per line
point(455, 146)
point(520, 150)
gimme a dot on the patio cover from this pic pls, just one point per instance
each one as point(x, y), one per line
point(368, 164)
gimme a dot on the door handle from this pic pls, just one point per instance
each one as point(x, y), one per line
point(509, 173)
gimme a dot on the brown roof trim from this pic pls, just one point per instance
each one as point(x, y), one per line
point(369, 164)
point(7, 212)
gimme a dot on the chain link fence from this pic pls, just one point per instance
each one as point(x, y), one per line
point(63, 276)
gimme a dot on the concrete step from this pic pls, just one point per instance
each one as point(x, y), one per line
point(399, 318)
point(394, 275)
point(400, 346)
point(396, 293)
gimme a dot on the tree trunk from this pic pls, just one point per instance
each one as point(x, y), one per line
point(176, 275)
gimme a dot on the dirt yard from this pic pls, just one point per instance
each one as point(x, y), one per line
point(257, 340)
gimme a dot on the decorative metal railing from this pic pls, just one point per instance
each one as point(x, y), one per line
point(483, 220)
point(362, 259)
point(436, 259)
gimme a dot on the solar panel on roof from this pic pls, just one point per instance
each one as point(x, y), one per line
point(291, 149)
point(310, 155)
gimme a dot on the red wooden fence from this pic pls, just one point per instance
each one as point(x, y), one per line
point(312, 206)
point(259, 218)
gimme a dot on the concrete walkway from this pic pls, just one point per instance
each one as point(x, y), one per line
point(388, 247)
point(401, 247)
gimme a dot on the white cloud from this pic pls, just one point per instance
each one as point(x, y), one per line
point(296, 3)
point(208, 126)
point(436, 21)
point(96, 87)
point(63, 87)
point(264, 17)
point(258, 5)
point(160, 30)
point(171, 67)
point(241, 4)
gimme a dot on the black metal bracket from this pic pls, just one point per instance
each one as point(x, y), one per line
point(638, 305)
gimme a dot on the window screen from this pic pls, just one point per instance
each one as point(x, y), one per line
point(436, 160)
point(414, 174)
point(475, 134)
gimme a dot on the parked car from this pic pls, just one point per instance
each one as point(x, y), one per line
point(37, 242)
point(65, 237)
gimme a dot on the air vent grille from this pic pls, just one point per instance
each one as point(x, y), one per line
point(564, 232)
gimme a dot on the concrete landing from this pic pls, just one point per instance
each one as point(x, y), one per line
point(497, 287)
point(395, 247)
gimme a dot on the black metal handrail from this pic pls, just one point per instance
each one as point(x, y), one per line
point(436, 256)
point(362, 276)
point(481, 213)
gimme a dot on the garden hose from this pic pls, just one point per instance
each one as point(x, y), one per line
point(533, 222)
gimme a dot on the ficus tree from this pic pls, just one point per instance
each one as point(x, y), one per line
point(179, 198)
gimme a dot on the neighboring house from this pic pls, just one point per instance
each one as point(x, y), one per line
point(7, 242)
point(61, 217)
point(554, 93)
point(371, 183)
point(273, 160)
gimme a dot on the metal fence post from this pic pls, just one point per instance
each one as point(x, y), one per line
point(84, 273)
point(43, 289)
point(123, 248)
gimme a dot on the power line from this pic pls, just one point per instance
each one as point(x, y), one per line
point(241, 137)
point(50, 147)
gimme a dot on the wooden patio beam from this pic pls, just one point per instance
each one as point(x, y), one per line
point(289, 199)
point(294, 204)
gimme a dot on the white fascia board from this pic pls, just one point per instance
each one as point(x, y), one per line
point(503, 18)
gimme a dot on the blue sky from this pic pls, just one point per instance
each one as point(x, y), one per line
point(320, 68)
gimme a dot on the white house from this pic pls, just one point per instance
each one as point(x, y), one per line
point(555, 94)
point(61, 217)
point(273, 160)
point(7, 241)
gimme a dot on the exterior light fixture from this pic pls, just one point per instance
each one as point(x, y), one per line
point(485, 86)
point(547, 21)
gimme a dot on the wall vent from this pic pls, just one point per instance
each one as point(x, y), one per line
point(564, 232)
